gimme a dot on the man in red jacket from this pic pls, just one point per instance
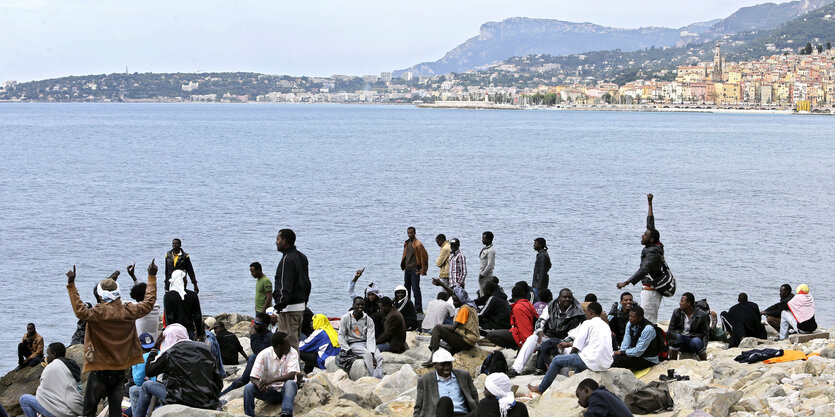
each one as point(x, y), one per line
point(414, 263)
point(522, 319)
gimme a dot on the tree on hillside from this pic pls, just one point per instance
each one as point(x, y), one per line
point(820, 49)
point(828, 46)
point(808, 49)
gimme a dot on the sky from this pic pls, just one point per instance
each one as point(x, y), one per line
point(45, 39)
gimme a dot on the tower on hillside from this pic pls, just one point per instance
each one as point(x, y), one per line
point(716, 73)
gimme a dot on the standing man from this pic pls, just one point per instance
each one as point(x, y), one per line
point(457, 265)
point(176, 259)
point(487, 258)
point(414, 263)
point(30, 349)
point(443, 258)
point(542, 265)
point(651, 269)
point(292, 286)
point(110, 344)
point(263, 288)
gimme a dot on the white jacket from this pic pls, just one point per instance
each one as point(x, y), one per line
point(58, 392)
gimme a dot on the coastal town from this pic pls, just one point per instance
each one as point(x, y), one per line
point(803, 81)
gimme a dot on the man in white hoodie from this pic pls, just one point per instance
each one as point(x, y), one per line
point(59, 394)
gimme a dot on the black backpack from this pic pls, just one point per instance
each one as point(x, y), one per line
point(494, 362)
point(666, 283)
point(653, 398)
point(661, 342)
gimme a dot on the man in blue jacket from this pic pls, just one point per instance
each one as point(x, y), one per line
point(292, 286)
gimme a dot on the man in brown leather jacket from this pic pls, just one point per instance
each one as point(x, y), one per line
point(414, 263)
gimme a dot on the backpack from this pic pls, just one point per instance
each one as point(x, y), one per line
point(666, 284)
point(494, 362)
point(661, 340)
point(653, 398)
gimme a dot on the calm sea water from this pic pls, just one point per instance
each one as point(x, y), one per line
point(743, 202)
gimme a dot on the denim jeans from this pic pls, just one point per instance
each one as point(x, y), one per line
point(133, 394)
point(787, 322)
point(30, 406)
point(547, 349)
point(244, 379)
point(149, 388)
point(383, 347)
point(573, 360)
point(285, 396)
point(411, 280)
point(688, 344)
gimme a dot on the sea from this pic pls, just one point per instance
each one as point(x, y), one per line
point(743, 202)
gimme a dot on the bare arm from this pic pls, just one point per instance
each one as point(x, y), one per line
point(649, 203)
point(441, 284)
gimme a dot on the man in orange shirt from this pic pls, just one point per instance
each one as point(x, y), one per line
point(462, 334)
point(414, 263)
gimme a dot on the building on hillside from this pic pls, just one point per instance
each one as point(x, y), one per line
point(385, 76)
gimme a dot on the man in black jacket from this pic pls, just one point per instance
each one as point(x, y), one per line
point(292, 286)
point(651, 269)
point(541, 266)
point(176, 259)
point(495, 310)
point(743, 320)
point(772, 314)
point(619, 316)
point(689, 329)
point(191, 376)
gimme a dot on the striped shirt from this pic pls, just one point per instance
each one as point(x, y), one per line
point(457, 269)
point(268, 365)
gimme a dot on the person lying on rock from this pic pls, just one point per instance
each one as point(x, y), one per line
point(772, 314)
point(640, 346)
point(522, 319)
point(743, 320)
point(495, 310)
point(592, 349)
point(273, 377)
point(562, 315)
point(689, 329)
point(800, 316)
point(259, 339)
point(111, 344)
point(356, 333)
point(30, 348)
point(393, 337)
point(322, 343)
point(447, 391)
point(59, 393)
point(405, 306)
point(462, 334)
point(191, 374)
point(598, 401)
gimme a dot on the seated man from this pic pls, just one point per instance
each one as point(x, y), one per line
point(800, 316)
point(259, 339)
point(322, 343)
point(191, 374)
point(499, 398)
point(639, 349)
point(393, 337)
point(591, 350)
point(59, 393)
point(689, 328)
point(545, 297)
point(563, 314)
point(772, 314)
point(592, 298)
point(406, 308)
point(356, 333)
point(150, 323)
point(462, 334)
point(495, 313)
point(599, 401)
point(273, 377)
point(211, 342)
point(437, 311)
point(371, 301)
point(619, 316)
point(522, 318)
point(743, 320)
point(446, 391)
point(30, 349)
point(138, 372)
point(229, 344)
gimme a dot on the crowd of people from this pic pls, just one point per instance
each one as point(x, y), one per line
point(184, 363)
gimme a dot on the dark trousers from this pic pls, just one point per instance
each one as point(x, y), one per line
point(503, 338)
point(411, 280)
point(23, 352)
point(244, 379)
point(310, 359)
point(104, 384)
point(547, 350)
point(453, 339)
point(445, 408)
point(630, 362)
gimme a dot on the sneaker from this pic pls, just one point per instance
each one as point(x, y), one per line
point(511, 373)
point(539, 372)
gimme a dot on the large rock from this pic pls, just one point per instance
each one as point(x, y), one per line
point(618, 381)
point(316, 391)
point(360, 391)
point(358, 369)
point(750, 342)
point(399, 407)
point(696, 370)
point(392, 386)
point(343, 408)
point(697, 395)
point(177, 410)
point(17, 383)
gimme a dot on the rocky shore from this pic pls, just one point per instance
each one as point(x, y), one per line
point(719, 387)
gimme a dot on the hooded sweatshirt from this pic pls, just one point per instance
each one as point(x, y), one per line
point(59, 391)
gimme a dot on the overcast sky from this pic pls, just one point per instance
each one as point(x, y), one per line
point(44, 39)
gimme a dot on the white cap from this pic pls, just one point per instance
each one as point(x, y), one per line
point(400, 288)
point(441, 355)
point(270, 311)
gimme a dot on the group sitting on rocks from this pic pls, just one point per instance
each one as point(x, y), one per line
point(185, 363)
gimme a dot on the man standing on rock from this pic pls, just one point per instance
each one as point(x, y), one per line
point(443, 258)
point(446, 391)
point(541, 266)
point(356, 333)
point(487, 259)
point(414, 263)
point(292, 286)
point(176, 259)
point(457, 265)
point(263, 288)
point(651, 269)
point(110, 343)
point(30, 349)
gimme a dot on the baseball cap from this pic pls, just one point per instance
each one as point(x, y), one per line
point(146, 340)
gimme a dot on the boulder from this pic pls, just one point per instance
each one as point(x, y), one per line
point(240, 329)
point(803, 338)
point(753, 404)
point(471, 360)
point(360, 392)
point(750, 342)
point(343, 408)
point(618, 381)
point(177, 410)
point(393, 385)
point(697, 395)
point(696, 370)
point(232, 319)
point(314, 392)
point(17, 383)
point(399, 407)
point(551, 405)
